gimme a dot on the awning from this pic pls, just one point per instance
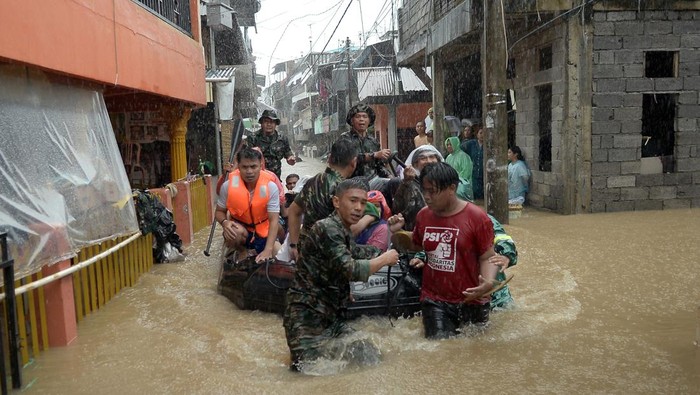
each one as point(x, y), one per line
point(262, 106)
point(382, 81)
point(303, 95)
point(224, 74)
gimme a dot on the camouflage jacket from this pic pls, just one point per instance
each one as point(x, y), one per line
point(274, 148)
point(503, 244)
point(329, 260)
point(315, 199)
point(365, 145)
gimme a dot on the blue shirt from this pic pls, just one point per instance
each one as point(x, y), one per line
point(518, 179)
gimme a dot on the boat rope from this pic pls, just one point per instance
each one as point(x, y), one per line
point(267, 274)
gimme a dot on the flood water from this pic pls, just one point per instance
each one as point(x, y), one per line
point(607, 303)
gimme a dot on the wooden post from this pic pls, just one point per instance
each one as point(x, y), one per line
point(575, 149)
point(439, 127)
point(493, 70)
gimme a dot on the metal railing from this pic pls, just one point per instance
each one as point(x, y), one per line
point(176, 12)
point(97, 284)
point(99, 273)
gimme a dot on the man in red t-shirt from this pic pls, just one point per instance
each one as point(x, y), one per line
point(457, 238)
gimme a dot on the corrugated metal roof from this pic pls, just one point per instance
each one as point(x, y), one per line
point(220, 75)
point(381, 81)
point(411, 82)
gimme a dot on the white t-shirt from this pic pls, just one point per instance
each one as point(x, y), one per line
point(428, 123)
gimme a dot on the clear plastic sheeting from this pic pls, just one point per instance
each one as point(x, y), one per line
point(62, 180)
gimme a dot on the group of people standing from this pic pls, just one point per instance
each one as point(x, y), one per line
point(466, 155)
point(461, 251)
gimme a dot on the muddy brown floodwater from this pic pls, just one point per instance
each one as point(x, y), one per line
point(606, 303)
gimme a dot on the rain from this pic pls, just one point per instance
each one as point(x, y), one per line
point(576, 125)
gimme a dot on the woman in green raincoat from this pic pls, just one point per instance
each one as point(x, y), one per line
point(458, 159)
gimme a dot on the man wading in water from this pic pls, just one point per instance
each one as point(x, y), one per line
point(316, 301)
point(457, 239)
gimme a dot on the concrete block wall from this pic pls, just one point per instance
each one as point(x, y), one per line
point(546, 189)
point(620, 41)
point(414, 17)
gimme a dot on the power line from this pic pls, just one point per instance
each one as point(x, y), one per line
point(327, 24)
point(549, 22)
point(311, 67)
point(290, 22)
point(376, 24)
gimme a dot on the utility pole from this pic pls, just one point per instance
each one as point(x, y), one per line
point(351, 94)
point(217, 121)
point(493, 70)
point(310, 45)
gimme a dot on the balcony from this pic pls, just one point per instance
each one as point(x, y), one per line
point(175, 12)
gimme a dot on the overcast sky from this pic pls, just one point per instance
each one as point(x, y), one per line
point(284, 27)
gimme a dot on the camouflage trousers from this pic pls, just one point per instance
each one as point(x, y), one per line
point(312, 336)
point(502, 298)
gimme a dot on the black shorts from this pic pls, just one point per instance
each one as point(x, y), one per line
point(442, 319)
point(253, 241)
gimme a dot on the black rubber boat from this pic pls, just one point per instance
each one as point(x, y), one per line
point(263, 286)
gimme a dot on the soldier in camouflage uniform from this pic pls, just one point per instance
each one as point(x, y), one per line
point(318, 297)
point(507, 256)
point(370, 157)
point(315, 199)
point(274, 147)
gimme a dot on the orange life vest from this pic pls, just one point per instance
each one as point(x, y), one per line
point(251, 212)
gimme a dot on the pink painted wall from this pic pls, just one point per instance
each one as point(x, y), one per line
point(407, 115)
point(115, 42)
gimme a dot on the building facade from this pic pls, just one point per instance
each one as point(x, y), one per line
point(602, 95)
point(145, 58)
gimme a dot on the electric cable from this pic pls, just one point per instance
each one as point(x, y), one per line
point(290, 22)
point(537, 29)
point(311, 67)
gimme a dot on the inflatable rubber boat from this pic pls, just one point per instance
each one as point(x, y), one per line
point(263, 286)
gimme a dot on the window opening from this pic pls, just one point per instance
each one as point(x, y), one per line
point(545, 127)
point(510, 69)
point(546, 58)
point(661, 64)
point(658, 136)
point(511, 108)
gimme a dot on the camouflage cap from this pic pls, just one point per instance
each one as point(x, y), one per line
point(271, 114)
point(361, 107)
